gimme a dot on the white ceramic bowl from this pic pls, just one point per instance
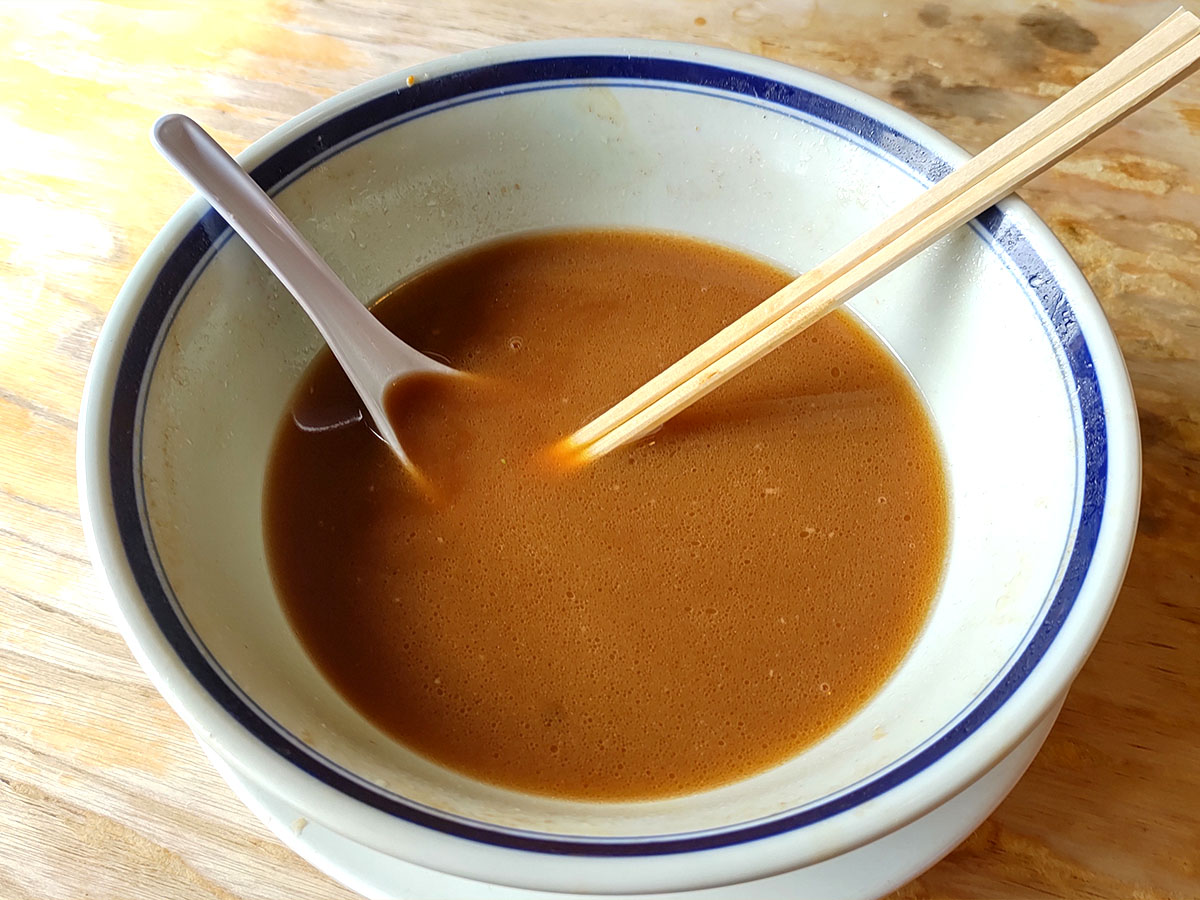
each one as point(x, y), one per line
point(997, 326)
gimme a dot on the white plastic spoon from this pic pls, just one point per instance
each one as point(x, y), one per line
point(372, 357)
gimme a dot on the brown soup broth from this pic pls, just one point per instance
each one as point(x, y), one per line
point(683, 612)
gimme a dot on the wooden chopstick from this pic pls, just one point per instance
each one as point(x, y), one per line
point(1148, 67)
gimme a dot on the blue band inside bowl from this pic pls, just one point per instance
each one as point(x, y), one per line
point(1004, 236)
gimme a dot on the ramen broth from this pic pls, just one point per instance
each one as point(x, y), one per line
point(683, 612)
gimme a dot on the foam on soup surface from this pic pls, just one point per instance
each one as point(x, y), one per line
point(681, 613)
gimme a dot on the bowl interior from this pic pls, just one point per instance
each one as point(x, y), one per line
point(786, 184)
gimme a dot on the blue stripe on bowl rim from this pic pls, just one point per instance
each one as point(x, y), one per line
point(184, 263)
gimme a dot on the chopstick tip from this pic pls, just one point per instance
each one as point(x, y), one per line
point(566, 455)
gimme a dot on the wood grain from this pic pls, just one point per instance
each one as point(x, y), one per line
point(103, 792)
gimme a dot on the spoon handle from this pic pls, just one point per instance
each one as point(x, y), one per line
point(371, 356)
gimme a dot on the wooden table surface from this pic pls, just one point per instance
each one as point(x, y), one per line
point(104, 792)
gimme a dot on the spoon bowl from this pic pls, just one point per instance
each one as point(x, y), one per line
point(372, 357)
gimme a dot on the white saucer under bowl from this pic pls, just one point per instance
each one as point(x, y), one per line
point(869, 872)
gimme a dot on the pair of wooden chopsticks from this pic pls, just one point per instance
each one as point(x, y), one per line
point(1149, 67)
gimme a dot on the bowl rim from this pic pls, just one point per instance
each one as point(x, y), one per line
point(1111, 488)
